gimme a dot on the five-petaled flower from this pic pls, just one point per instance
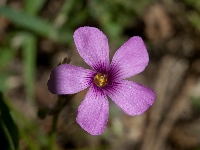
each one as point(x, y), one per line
point(105, 79)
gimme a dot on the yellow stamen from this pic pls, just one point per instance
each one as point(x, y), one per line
point(100, 79)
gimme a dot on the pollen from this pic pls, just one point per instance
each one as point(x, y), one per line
point(101, 79)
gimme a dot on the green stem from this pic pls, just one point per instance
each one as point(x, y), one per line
point(52, 135)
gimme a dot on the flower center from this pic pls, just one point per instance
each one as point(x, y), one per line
point(100, 79)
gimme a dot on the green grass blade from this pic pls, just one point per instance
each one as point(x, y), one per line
point(6, 55)
point(8, 135)
point(24, 20)
point(28, 129)
point(63, 14)
point(7, 126)
point(33, 7)
point(29, 58)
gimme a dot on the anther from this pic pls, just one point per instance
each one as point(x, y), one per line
point(100, 79)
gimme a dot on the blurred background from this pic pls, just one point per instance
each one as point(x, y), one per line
point(37, 35)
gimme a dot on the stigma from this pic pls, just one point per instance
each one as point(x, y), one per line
point(101, 79)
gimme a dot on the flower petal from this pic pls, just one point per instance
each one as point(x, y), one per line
point(130, 59)
point(68, 79)
point(93, 47)
point(93, 111)
point(132, 97)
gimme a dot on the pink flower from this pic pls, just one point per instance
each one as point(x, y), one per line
point(105, 79)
